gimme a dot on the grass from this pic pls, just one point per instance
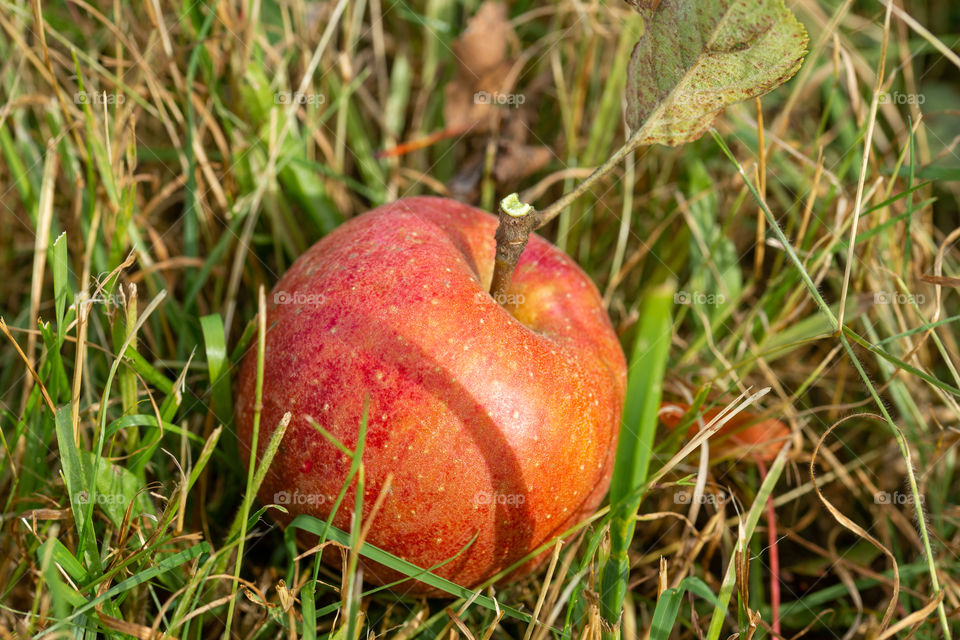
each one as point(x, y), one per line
point(156, 173)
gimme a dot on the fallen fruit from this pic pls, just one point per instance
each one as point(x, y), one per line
point(743, 436)
point(497, 418)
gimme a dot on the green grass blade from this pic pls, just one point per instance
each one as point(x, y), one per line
point(162, 566)
point(218, 367)
point(61, 286)
point(668, 606)
point(323, 530)
point(74, 474)
point(644, 383)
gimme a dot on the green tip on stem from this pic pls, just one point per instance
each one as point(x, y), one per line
point(512, 206)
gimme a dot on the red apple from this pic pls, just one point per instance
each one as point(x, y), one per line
point(498, 421)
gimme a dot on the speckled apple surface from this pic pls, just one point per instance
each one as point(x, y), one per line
point(494, 423)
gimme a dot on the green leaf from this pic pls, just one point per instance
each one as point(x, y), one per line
point(696, 58)
point(74, 474)
point(167, 564)
point(17, 172)
point(401, 78)
point(170, 405)
point(57, 383)
point(647, 365)
point(934, 173)
point(148, 371)
point(217, 365)
point(60, 284)
point(94, 137)
point(668, 605)
point(116, 487)
point(64, 559)
point(63, 597)
point(715, 280)
point(205, 454)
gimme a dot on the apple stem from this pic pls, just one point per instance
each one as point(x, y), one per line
point(517, 222)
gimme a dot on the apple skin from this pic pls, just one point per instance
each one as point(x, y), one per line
point(495, 424)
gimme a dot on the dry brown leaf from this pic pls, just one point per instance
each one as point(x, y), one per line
point(482, 48)
point(852, 526)
point(482, 64)
point(917, 618)
point(129, 628)
point(480, 99)
point(516, 161)
point(943, 281)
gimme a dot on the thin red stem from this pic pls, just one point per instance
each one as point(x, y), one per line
point(774, 556)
